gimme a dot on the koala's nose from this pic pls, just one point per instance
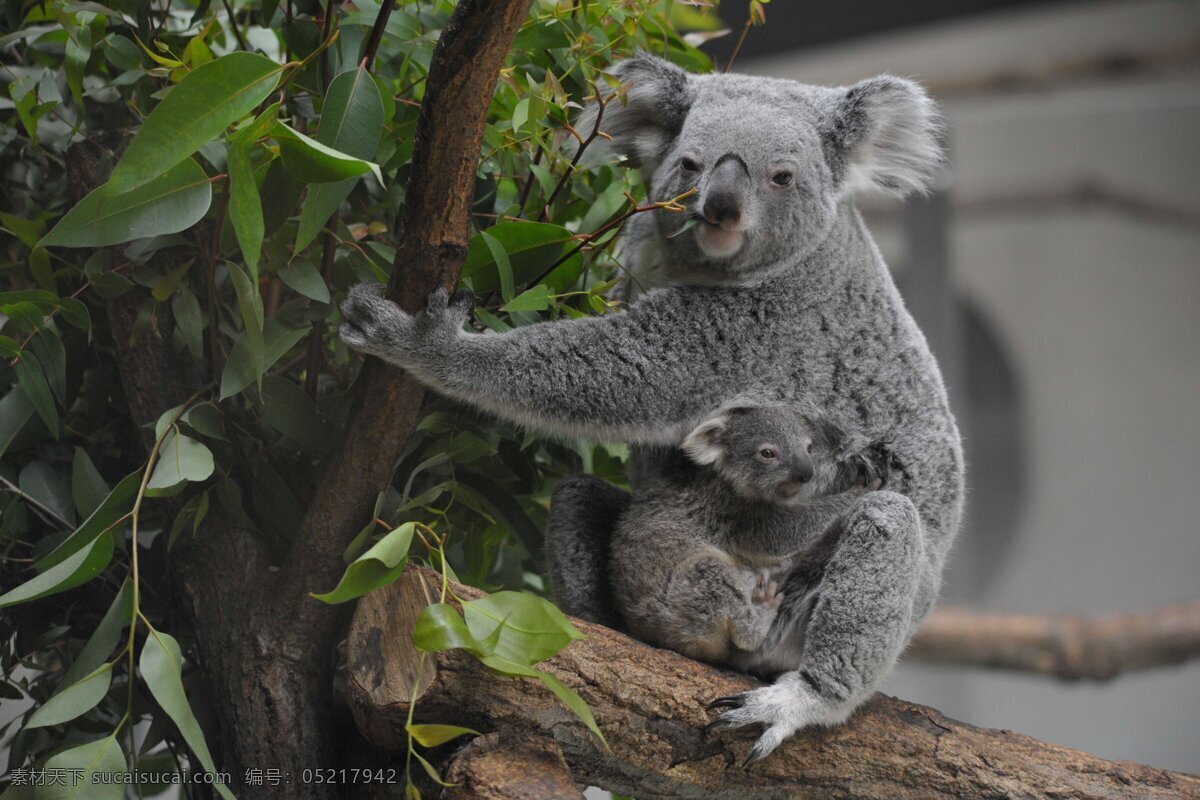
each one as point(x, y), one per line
point(803, 470)
point(725, 198)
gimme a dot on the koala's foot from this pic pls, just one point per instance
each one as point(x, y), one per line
point(766, 592)
point(782, 709)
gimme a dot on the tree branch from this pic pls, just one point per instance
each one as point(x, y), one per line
point(507, 767)
point(1061, 645)
point(650, 703)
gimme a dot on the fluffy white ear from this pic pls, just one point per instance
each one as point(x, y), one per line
point(886, 135)
point(703, 445)
point(643, 115)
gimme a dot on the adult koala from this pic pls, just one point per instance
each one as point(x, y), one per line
point(778, 294)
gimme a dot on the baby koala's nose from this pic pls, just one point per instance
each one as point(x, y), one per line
point(802, 470)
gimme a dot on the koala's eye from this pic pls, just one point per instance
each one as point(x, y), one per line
point(808, 448)
point(689, 164)
point(783, 178)
point(768, 454)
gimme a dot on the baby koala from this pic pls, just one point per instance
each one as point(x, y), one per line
point(698, 557)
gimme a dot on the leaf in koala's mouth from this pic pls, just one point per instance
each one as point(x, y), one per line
point(688, 224)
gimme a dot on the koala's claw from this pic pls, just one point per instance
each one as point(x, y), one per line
point(757, 753)
point(730, 701)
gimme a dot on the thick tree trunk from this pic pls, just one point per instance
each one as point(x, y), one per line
point(1064, 646)
point(650, 703)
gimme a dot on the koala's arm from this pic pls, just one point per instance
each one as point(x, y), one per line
point(807, 522)
point(639, 376)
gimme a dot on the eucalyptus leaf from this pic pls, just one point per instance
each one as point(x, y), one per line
point(74, 571)
point(32, 382)
point(83, 764)
point(195, 112)
point(174, 200)
point(161, 665)
point(106, 636)
point(377, 567)
point(313, 162)
point(74, 700)
point(88, 488)
point(180, 458)
point(115, 506)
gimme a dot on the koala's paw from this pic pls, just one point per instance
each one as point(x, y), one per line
point(378, 326)
point(766, 592)
point(782, 709)
point(374, 324)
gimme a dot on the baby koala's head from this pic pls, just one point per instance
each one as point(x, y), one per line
point(764, 452)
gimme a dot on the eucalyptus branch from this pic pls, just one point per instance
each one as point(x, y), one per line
point(530, 179)
point(381, 21)
point(601, 101)
point(328, 251)
point(675, 205)
point(237, 34)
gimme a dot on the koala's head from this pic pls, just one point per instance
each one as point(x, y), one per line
point(772, 160)
point(765, 453)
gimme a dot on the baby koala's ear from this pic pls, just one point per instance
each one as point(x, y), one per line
point(705, 444)
point(885, 133)
point(643, 116)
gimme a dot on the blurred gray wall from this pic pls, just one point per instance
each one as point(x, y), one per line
point(1068, 320)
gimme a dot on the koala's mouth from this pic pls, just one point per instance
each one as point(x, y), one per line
point(719, 241)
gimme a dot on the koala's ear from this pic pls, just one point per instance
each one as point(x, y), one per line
point(704, 445)
point(644, 115)
point(885, 134)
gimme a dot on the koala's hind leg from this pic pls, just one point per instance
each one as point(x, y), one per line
point(583, 515)
point(860, 621)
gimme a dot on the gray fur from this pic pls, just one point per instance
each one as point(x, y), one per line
point(804, 313)
point(698, 556)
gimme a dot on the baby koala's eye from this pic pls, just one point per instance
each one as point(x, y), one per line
point(808, 448)
point(768, 454)
point(689, 164)
point(782, 178)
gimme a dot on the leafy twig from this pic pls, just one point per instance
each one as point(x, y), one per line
point(601, 101)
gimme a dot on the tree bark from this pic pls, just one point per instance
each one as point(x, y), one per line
point(650, 704)
point(502, 766)
point(1064, 646)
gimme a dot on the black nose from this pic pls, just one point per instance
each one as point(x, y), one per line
point(803, 470)
point(727, 186)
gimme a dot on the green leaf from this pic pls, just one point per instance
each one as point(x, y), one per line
point(76, 699)
point(181, 458)
point(250, 305)
point(27, 230)
point(172, 202)
point(531, 248)
point(535, 299)
point(78, 569)
point(287, 409)
point(115, 506)
point(303, 276)
point(245, 208)
point(32, 382)
point(531, 628)
point(377, 567)
point(241, 369)
point(441, 627)
point(15, 413)
point(564, 693)
point(351, 122)
point(49, 487)
point(88, 488)
point(503, 266)
point(162, 668)
point(194, 113)
point(100, 646)
point(51, 354)
point(433, 735)
point(101, 757)
point(190, 319)
point(313, 162)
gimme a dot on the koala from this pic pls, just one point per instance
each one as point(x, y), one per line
point(699, 556)
point(776, 295)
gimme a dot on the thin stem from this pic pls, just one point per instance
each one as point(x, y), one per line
point(530, 179)
point(42, 509)
point(583, 145)
point(381, 21)
point(328, 250)
point(326, 29)
point(741, 38)
point(237, 34)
